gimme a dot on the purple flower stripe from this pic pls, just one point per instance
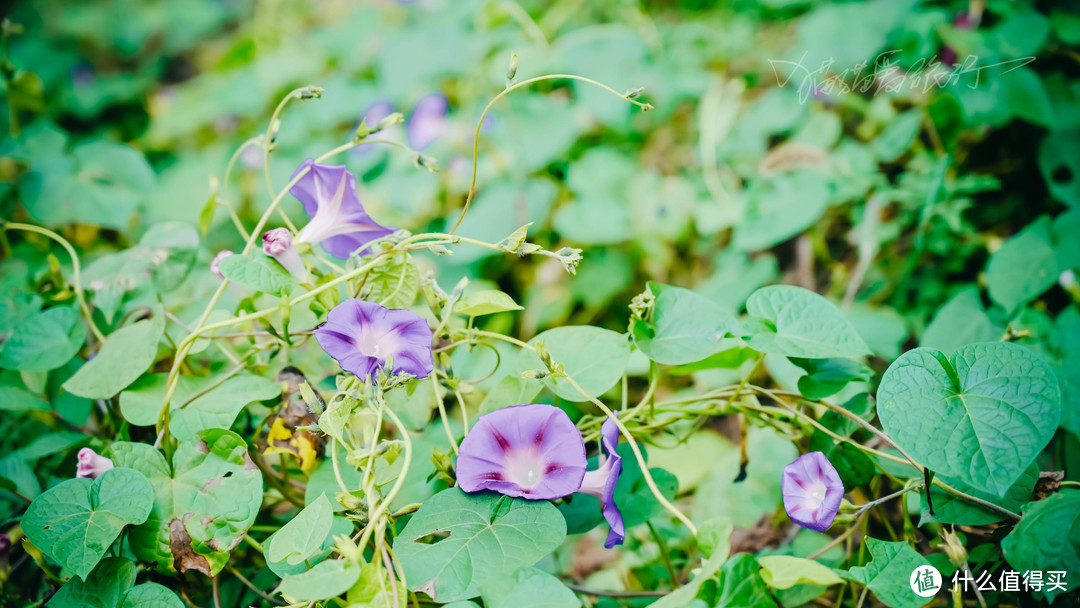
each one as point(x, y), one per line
point(530, 451)
point(812, 491)
point(361, 336)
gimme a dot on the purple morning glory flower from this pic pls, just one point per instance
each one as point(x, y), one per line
point(812, 491)
point(361, 336)
point(601, 482)
point(531, 451)
point(427, 122)
point(91, 465)
point(338, 220)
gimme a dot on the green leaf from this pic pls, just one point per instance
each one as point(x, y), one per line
point(16, 474)
point(127, 353)
point(898, 136)
point(1059, 161)
point(44, 341)
point(219, 407)
point(302, 536)
point(961, 321)
point(15, 399)
point(103, 589)
point(685, 327)
point(980, 416)
point(685, 594)
point(785, 571)
point(782, 207)
point(151, 595)
point(949, 509)
point(889, 572)
point(77, 520)
point(394, 282)
point(741, 584)
point(594, 357)
point(327, 579)
point(203, 503)
point(258, 273)
point(489, 301)
point(530, 587)
point(826, 377)
point(1024, 267)
point(101, 184)
point(800, 323)
point(1048, 537)
point(511, 390)
point(374, 590)
point(479, 550)
point(745, 501)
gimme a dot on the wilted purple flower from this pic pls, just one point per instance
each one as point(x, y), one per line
point(531, 451)
point(362, 335)
point(91, 465)
point(427, 122)
point(224, 253)
point(601, 482)
point(812, 491)
point(338, 220)
point(277, 243)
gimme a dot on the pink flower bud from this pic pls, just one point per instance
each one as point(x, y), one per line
point(224, 253)
point(277, 243)
point(91, 465)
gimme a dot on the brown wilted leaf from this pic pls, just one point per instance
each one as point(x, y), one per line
point(1048, 483)
point(791, 156)
point(184, 556)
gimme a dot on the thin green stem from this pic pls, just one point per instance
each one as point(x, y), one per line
point(504, 93)
point(76, 270)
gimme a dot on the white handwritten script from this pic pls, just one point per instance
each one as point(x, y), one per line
point(884, 75)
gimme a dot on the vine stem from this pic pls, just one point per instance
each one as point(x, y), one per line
point(504, 93)
point(384, 504)
point(76, 270)
point(623, 430)
point(775, 396)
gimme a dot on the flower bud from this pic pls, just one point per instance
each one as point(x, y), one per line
point(277, 243)
point(91, 465)
point(511, 72)
point(224, 253)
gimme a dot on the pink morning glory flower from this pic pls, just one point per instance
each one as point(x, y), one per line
point(601, 482)
point(338, 220)
point(427, 123)
point(277, 243)
point(224, 253)
point(361, 336)
point(812, 491)
point(91, 465)
point(530, 451)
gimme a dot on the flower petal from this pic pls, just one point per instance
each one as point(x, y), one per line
point(537, 438)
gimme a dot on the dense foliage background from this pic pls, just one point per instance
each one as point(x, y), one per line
point(903, 159)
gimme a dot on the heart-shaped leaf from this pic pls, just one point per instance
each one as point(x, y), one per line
point(204, 502)
point(594, 357)
point(980, 416)
point(797, 322)
point(686, 326)
point(104, 588)
point(76, 521)
point(127, 353)
point(484, 543)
